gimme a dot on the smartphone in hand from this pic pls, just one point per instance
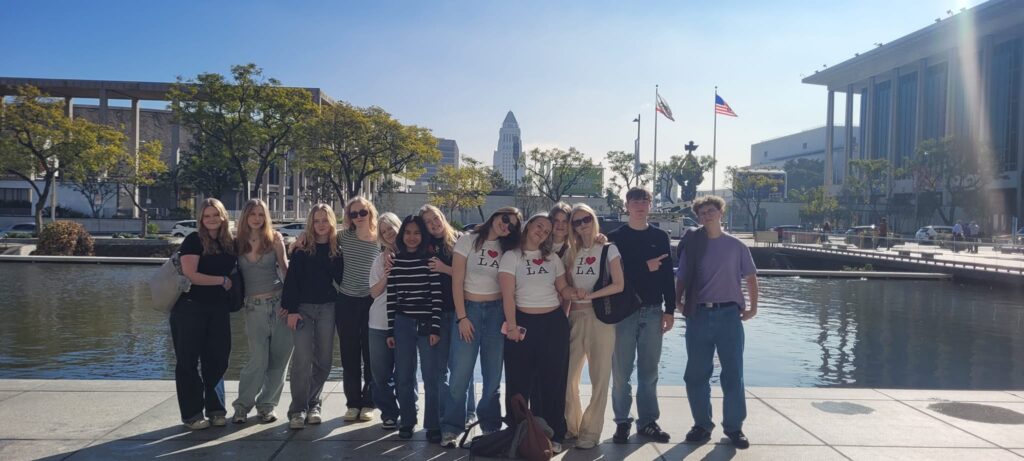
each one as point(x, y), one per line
point(522, 330)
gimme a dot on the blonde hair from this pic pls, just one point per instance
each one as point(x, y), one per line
point(308, 244)
point(265, 234)
point(225, 242)
point(391, 220)
point(546, 247)
point(575, 240)
point(350, 224)
point(449, 231)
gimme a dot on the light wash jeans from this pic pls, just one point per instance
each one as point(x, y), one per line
point(382, 364)
point(311, 362)
point(637, 338)
point(707, 330)
point(270, 348)
point(489, 344)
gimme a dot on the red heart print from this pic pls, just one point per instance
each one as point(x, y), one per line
point(492, 253)
point(538, 262)
point(590, 260)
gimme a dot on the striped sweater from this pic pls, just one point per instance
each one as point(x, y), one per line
point(414, 291)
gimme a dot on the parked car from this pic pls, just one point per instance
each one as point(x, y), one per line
point(470, 226)
point(292, 230)
point(20, 228)
point(183, 228)
point(861, 236)
point(929, 234)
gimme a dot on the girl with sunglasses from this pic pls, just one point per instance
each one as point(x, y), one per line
point(537, 332)
point(590, 340)
point(478, 318)
point(359, 247)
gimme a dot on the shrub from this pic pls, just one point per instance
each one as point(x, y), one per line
point(64, 238)
point(20, 235)
point(152, 228)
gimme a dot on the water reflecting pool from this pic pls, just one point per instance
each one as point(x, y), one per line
point(92, 322)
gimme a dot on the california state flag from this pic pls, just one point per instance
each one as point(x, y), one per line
point(664, 109)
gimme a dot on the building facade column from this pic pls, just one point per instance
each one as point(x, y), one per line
point(69, 107)
point(894, 119)
point(134, 142)
point(869, 119)
point(848, 144)
point(829, 138)
point(104, 109)
point(922, 70)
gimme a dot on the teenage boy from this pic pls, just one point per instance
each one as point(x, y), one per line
point(647, 265)
point(711, 264)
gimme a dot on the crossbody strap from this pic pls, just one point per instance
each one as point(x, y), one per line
point(602, 276)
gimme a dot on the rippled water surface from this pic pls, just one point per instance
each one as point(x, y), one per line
point(92, 322)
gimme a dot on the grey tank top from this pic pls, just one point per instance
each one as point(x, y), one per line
point(260, 276)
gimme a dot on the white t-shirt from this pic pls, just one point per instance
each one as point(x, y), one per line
point(586, 268)
point(379, 308)
point(535, 277)
point(481, 266)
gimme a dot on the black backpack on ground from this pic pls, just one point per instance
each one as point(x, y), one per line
point(493, 445)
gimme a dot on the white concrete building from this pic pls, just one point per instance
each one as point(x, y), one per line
point(510, 149)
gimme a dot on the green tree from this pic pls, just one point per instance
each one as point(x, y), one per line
point(39, 142)
point(614, 201)
point(818, 205)
point(625, 174)
point(250, 119)
point(750, 190)
point(349, 145)
point(952, 166)
point(208, 170)
point(460, 188)
point(554, 172)
point(865, 187)
point(804, 174)
point(688, 171)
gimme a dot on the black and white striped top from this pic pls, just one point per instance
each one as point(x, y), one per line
point(414, 291)
point(359, 256)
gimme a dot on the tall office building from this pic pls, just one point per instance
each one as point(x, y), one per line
point(449, 156)
point(510, 148)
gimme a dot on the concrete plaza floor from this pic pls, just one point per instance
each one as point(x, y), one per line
point(107, 419)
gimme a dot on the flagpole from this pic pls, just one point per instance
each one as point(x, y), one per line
point(714, 145)
point(655, 164)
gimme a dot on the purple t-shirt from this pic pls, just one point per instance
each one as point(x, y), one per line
point(726, 262)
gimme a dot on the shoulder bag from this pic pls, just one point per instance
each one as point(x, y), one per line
point(612, 309)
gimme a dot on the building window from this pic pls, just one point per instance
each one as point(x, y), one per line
point(12, 194)
point(906, 119)
point(1004, 104)
point(935, 101)
point(880, 121)
point(765, 154)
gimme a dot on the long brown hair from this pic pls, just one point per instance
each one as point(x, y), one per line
point(508, 242)
point(308, 244)
point(265, 234)
point(449, 232)
point(224, 241)
point(547, 246)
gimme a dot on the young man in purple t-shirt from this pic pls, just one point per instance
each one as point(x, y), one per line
point(711, 267)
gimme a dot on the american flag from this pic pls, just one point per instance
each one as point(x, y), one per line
point(722, 108)
point(662, 107)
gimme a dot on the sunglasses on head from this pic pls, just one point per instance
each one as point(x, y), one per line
point(358, 214)
point(584, 220)
point(507, 219)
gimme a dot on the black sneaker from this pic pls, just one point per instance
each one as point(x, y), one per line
point(434, 436)
point(698, 434)
point(621, 433)
point(405, 432)
point(739, 440)
point(653, 431)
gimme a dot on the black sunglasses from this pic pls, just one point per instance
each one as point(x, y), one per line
point(507, 219)
point(585, 220)
point(358, 214)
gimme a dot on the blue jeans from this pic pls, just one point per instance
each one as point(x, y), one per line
point(637, 337)
point(449, 330)
point(489, 344)
point(407, 344)
point(382, 364)
point(707, 330)
point(311, 360)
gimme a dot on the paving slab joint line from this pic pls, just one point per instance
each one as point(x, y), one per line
point(133, 418)
point(840, 453)
point(947, 422)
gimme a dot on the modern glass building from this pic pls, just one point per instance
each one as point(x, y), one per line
point(960, 76)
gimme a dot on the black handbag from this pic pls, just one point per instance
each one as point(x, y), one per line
point(237, 291)
point(612, 309)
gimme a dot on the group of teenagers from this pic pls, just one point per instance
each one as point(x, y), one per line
point(414, 294)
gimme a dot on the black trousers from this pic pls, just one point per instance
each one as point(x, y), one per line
point(537, 367)
point(352, 317)
point(202, 343)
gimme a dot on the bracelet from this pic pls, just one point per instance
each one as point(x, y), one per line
point(461, 319)
point(225, 282)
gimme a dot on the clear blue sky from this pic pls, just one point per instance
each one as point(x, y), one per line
point(575, 74)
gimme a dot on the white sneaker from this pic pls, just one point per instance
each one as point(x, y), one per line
point(218, 421)
point(556, 447)
point(351, 415)
point(366, 414)
point(448, 440)
point(585, 444)
point(297, 421)
point(313, 417)
point(198, 425)
point(239, 417)
point(267, 416)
